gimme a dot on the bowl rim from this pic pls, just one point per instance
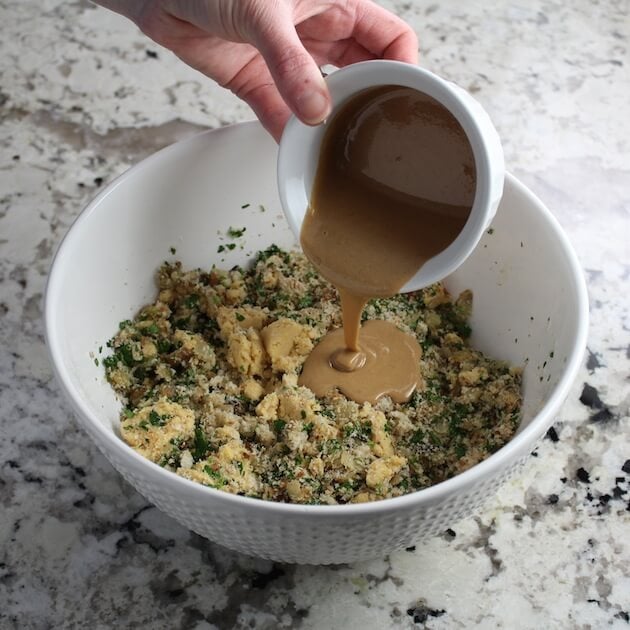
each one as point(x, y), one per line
point(426, 496)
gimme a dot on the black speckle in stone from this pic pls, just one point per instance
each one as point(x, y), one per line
point(4, 309)
point(16, 158)
point(86, 501)
point(602, 416)
point(450, 533)
point(552, 435)
point(626, 466)
point(622, 614)
point(98, 181)
point(583, 475)
point(262, 580)
point(618, 492)
point(190, 617)
point(592, 362)
point(168, 589)
point(29, 478)
point(563, 479)
point(590, 397)
point(410, 549)
point(421, 613)
point(140, 535)
point(604, 499)
point(534, 453)
point(552, 499)
point(619, 479)
point(151, 54)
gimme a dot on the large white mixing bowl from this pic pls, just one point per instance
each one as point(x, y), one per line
point(530, 308)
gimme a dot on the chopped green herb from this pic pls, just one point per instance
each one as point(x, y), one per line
point(279, 425)
point(173, 250)
point(216, 475)
point(236, 233)
point(245, 205)
point(191, 301)
point(152, 329)
point(240, 317)
point(200, 444)
point(156, 419)
point(110, 362)
point(306, 301)
point(96, 362)
point(126, 355)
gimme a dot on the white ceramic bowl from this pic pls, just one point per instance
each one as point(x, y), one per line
point(530, 307)
point(300, 147)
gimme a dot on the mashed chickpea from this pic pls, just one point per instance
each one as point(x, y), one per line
point(209, 376)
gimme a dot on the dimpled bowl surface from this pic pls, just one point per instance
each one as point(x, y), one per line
point(530, 308)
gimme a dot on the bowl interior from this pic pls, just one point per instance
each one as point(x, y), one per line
point(528, 301)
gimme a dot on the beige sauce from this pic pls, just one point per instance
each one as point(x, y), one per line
point(391, 365)
point(394, 187)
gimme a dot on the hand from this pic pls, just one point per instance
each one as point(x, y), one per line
point(268, 52)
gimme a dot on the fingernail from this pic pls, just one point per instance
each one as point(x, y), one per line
point(313, 107)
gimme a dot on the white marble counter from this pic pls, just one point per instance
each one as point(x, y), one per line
point(82, 96)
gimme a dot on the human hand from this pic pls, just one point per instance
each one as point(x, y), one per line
point(268, 52)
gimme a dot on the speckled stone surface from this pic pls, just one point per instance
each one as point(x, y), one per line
point(83, 96)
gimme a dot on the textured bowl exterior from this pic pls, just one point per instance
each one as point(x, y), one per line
point(187, 193)
point(303, 539)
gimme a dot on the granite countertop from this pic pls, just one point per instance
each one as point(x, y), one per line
point(83, 96)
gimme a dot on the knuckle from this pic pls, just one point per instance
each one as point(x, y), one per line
point(289, 61)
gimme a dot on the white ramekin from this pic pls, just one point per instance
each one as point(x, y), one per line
point(300, 145)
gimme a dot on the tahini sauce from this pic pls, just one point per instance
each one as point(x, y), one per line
point(394, 186)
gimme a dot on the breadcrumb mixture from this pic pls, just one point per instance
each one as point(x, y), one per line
point(209, 376)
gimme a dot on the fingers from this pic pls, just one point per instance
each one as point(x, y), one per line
point(384, 34)
point(293, 69)
point(338, 53)
point(269, 108)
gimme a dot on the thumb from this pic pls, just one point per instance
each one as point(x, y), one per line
point(296, 75)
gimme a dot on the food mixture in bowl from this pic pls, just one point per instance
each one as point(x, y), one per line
point(209, 377)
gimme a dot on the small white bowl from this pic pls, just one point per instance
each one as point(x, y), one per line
point(530, 308)
point(300, 145)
